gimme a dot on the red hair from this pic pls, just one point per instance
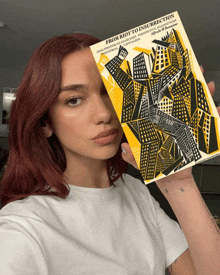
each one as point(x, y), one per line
point(36, 164)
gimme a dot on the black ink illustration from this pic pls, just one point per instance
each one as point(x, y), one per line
point(165, 106)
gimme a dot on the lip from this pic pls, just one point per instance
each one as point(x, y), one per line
point(106, 137)
point(106, 133)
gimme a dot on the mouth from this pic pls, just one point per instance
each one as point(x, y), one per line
point(106, 137)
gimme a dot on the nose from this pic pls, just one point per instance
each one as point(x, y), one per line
point(102, 109)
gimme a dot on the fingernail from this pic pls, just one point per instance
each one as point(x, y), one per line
point(123, 149)
point(213, 82)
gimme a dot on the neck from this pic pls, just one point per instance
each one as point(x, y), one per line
point(87, 172)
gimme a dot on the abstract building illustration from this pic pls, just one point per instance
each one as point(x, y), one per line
point(164, 105)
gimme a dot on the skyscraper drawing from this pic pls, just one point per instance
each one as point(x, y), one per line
point(164, 105)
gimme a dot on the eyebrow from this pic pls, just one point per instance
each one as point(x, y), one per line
point(72, 87)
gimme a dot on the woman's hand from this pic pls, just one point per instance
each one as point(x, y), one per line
point(127, 154)
point(211, 86)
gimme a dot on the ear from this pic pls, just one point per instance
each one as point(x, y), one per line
point(47, 129)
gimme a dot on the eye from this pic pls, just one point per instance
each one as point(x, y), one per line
point(74, 101)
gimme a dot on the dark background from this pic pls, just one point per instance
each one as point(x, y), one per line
point(29, 22)
point(24, 24)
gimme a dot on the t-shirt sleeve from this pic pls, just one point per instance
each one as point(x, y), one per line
point(174, 240)
point(19, 252)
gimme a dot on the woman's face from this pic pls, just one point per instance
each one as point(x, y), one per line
point(83, 117)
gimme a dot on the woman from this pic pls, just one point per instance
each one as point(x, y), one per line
point(68, 207)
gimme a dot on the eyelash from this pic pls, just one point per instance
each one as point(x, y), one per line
point(68, 101)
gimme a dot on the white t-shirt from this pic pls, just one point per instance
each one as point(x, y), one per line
point(119, 230)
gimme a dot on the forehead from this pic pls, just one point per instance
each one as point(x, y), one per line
point(78, 66)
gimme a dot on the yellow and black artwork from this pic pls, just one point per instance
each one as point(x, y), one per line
point(166, 112)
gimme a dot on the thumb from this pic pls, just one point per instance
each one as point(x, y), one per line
point(127, 155)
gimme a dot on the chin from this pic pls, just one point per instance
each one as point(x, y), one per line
point(108, 153)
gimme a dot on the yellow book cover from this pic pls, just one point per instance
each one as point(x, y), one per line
point(160, 96)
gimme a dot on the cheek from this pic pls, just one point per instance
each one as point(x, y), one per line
point(69, 129)
point(65, 123)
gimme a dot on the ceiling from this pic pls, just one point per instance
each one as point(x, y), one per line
point(28, 23)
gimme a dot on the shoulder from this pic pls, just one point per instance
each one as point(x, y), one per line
point(19, 242)
point(138, 189)
point(134, 184)
point(33, 207)
point(135, 188)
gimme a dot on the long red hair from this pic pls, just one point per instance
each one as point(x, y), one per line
point(36, 164)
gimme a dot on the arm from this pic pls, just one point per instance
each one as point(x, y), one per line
point(182, 266)
point(197, 223)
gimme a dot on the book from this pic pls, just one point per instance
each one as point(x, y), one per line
point(160, 96)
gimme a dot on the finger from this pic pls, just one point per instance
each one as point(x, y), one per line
point(201, 68)
point(211, 86)
point(127, 154)
point(218, 109)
